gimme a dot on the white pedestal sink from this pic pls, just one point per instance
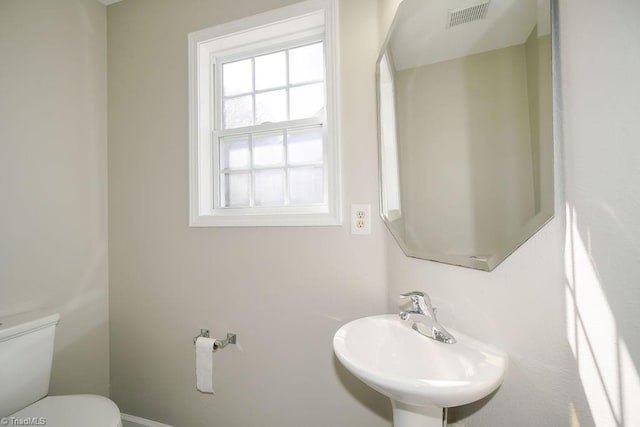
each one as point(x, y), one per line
point(420, 375)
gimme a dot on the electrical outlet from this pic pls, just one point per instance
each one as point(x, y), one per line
point(360, 219)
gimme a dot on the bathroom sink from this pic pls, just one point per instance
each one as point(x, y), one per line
point(414, 371)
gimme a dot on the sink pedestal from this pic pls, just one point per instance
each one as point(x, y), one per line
point(416, 416)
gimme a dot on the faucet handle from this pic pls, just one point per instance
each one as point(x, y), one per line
point(421, 302)
point(413, 293)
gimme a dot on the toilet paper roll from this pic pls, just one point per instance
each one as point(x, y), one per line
point(204, 364)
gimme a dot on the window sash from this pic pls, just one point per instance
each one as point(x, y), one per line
point(293, 126)
point(288, 43)
point(221, 132)
point(271, 89)
point(269, 126)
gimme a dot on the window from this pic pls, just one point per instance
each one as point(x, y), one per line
point(391, 204)
point(263, 145)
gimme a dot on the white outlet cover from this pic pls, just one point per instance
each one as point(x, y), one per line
point(361, 219)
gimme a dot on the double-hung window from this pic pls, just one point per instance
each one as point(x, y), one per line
point(263, 137)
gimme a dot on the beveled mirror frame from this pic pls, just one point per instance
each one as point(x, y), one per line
point(533, 225)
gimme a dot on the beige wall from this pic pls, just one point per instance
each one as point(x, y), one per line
point(284, 291)
point(53, 179)
point(463, 132)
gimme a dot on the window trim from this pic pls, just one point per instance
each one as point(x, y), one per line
point(267, 30)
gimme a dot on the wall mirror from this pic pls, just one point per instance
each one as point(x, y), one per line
point(465, 128)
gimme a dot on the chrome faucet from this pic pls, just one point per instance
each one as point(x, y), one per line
point(422, 309)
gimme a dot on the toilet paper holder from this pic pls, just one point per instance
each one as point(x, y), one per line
point(218, 344)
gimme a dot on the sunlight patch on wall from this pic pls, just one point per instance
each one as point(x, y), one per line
point(607, 372)
point(630, 387)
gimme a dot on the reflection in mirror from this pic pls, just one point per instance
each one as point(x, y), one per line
point(465, 128)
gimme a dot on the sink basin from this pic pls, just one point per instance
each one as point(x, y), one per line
point(418, 374)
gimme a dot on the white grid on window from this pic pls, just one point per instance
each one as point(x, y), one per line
point(274, 87)
point(277, 168)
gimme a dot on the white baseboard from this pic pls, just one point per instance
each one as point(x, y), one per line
point(132, 421)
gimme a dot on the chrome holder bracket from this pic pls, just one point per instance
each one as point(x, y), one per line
point(217, 344)
point(204, 333)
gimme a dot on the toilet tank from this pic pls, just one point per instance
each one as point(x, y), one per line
point(26, 353)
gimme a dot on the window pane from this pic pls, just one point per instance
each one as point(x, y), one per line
point(238, 112)
point(235, 189)
point(269, 187)
point(271, 71)
point(268, 150)
point(235, 153)
point(306, 101)
point(271, 106)
point(237, 77)
point(306, 64)
point(306, 186)
point(305, 146)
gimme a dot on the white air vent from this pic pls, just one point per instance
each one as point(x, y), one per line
point(467, 14)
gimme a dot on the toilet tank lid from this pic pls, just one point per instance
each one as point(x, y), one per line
point(20, 324)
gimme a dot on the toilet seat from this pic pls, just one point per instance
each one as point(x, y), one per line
point(83, 410)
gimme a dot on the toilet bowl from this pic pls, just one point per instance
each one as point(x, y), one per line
point(26, 354)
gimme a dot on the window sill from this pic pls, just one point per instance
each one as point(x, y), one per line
point(267, 220)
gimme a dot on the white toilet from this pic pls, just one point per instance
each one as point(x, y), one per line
point(26, 353)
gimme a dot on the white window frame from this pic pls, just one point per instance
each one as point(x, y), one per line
point(310, 19)
point(390, 169)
